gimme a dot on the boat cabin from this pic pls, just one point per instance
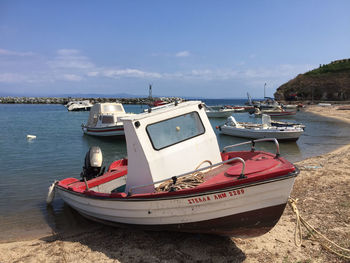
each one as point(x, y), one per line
point(165, 142)
point(105, 114)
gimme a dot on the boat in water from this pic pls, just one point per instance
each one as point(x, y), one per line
point(79, 105)
point(218, 112)
point(278, 130)
point(176, 179)
point(274, 113)
point(105, 120)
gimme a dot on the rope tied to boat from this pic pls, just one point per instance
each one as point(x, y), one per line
point(323, 240)
point(185, 182)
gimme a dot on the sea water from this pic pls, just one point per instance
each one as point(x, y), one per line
point(29, 166)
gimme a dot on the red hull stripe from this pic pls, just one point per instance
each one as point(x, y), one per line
point(108, 130)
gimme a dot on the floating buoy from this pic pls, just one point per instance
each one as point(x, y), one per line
point(51, 193)
point(31, 137)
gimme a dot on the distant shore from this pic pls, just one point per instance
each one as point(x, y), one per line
point(65, 100)
point(133, 100)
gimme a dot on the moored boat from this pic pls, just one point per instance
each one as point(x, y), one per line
point(105, 120)
point(280, 131)
point(275, 113)
point(176, 178)
point(214, 112)
point(80, 105)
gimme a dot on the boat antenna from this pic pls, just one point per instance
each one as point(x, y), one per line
point(249, 99)
point(150, 91)
point(150, 98)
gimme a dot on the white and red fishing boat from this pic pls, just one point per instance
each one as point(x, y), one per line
point(176, 178)
point(105, 120)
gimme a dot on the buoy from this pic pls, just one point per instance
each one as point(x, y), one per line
point(30, 137)
point(51, 193)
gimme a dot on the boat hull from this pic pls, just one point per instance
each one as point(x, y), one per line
point(284, 114)
point(286, 135)
point(244, 225)
point(88, 108)
point(220, 114)
point(244, 211)
point(117, 130)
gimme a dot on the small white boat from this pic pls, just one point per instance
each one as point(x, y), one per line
point(264, 130)
point(290, 107)
point(274, 113)
point(79, 105)
point(175, 178)
point(324, 104)
point(214, 112)
point(105, 120)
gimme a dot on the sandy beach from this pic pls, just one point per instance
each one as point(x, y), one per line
point(324, 201)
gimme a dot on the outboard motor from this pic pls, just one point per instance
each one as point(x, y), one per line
point(93, 163)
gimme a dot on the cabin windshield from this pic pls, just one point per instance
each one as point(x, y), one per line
point(171, 131)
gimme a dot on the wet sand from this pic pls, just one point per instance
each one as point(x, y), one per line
point(323, 190)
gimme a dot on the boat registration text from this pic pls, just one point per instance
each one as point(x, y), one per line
point(215, 196)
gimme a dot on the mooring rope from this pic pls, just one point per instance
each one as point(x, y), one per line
point(188, 181)
point(314, 233)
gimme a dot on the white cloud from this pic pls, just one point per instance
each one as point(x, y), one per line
point(68, 52)
point(183, 54)
point(71, 77)
point(93, 73)
point(71, 65)
point(70, 58)
point(15, 53)
point(12, 78)
point(136, 73)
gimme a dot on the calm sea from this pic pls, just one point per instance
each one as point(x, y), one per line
point(27, 168)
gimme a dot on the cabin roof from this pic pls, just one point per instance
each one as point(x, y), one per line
point(160, 110)
point(107, 107)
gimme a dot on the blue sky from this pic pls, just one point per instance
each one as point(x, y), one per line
point(213, 49)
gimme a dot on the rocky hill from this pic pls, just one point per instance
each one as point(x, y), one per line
point(328, 82)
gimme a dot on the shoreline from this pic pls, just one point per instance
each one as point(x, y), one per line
point(324, 202)
point(330, 112)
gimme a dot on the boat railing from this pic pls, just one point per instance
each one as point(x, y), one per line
point(253, 144)
point(174, 178)
point(161, 106)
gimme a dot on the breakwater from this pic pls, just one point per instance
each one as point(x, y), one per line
point(55, 100)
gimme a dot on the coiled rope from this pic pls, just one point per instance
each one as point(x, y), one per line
point(324, 241)
point(188, 181)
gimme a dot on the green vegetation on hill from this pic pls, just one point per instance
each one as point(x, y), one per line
point(333, 67)
point(328, 82)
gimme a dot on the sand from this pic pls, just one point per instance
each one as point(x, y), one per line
point(323, 190)
point(332, 111)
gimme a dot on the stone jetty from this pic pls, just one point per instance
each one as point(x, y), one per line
point(54, 100)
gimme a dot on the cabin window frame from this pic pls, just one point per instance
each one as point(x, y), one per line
point(169, 145)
